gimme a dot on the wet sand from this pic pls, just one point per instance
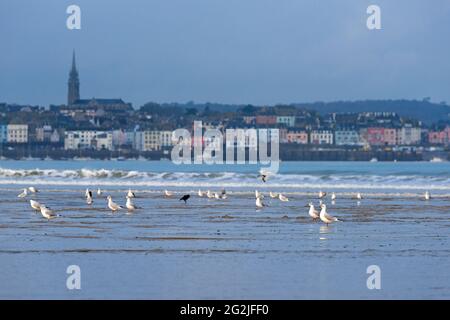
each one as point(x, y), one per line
point(214, 249)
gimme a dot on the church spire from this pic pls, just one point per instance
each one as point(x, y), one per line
point(74, 83)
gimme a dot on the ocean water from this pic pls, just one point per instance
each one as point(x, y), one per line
point(225, 249)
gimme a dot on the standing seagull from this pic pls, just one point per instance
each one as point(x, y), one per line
point(359, 196)
point(201, 193)
point(48, 213)
point(313, 213)
point(99, 192)
point(88, 193)
point(209, 194)
point(131, 194)
point(185, 198)
point(273, 195)
point(333, 196)
point(112, 205)
point(130, 205)
point(283, 198)
point(166, 193)
point(33, 189)
point(427, 196)
point(89, 199)
point(325, 217)
point(35, 205)
point(23, 194)
point(258, 194)
point(322, 195)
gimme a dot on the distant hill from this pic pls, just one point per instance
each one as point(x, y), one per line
point(422, 110)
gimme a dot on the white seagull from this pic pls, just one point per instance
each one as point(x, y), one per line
point(333, 196)
point(259, 203)
point(313, 213)
point(89, 199)
point(48, 213)
point(209, 194)
point(201, 193)
point(88, 193)
point(23, 194)
point(427, 196)
point(131, 194)
point(283, 198)
point(273, 195)
point(322, 195)
point(130, 205)
point(359, 196)
point(99, 192)
point(112, 205)
point(35, 205)
point(33, 189)
point(325, 217)
point(166, 193)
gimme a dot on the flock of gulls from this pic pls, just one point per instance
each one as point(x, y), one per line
point(323, 215)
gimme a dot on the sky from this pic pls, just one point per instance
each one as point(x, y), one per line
point(229, 51)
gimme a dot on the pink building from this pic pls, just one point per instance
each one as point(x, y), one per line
point(266, 120)
point(390, 136)
point(375, 136)
point(300, 137)
point(437, 137)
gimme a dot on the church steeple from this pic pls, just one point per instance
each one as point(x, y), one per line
point(74, 83)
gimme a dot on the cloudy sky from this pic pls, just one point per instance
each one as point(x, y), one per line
point(230, 51)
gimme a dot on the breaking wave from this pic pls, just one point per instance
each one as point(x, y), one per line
point(222, 179)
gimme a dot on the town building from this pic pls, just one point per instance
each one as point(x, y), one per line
point(347, 138)
point(88, 139)
point(321, 137)
point(300, 137)
point(17, 133)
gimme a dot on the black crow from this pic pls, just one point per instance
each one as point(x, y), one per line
point(185, 198)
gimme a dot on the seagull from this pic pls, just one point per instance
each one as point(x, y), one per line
point(200, 193)
point(427, 196)
point(35, 205)
point(359, 196)
point(313, 213)
point(166, 193)
point(273, 195)
point(112, 205)
point(333, 196)
point(325, 217)
point(23, 194)
point(209, 194)
point(322, 195)
point(88, 193)
point(131, 194)
point(263, 177)
point(99, 192)
point(33, 189)
point(259, 203)
point(185, 198)
point(283, 198)
point(130, 205)
point(47, 212)
point(216, 195)
point(89, 199)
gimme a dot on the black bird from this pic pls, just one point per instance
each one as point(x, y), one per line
point(263, 177)
point(185, 197)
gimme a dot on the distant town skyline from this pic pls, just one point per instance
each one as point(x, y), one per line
point(258, 52)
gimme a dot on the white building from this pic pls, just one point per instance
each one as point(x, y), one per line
point(409, 135)
point(17, 133)
point(154, 140)
point(321, 137)
point(289, 121)
point(347, 138)
point(88, 139)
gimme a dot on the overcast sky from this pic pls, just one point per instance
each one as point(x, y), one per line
point(230, 51)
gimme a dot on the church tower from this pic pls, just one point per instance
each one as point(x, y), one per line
point(74, 83)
